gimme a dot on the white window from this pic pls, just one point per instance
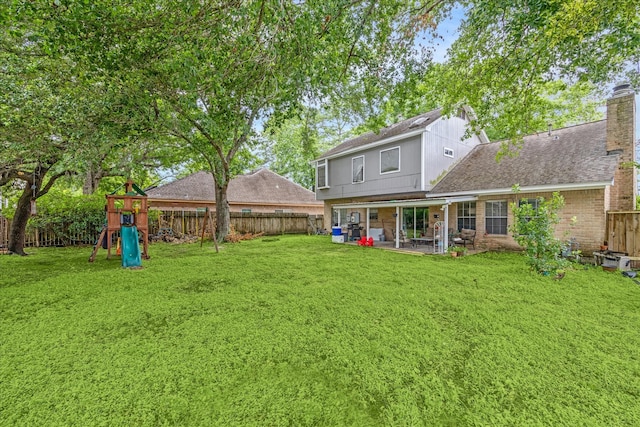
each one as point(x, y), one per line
point(496, 217)
point(467, 215)
point(390, 160)
point(322, 175)
point(340, 217)
point(448, 152)
point(357, 169)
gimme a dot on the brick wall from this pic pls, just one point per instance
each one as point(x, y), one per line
point(621, 141)
point(587, 206)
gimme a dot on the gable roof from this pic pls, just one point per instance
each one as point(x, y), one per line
point(412, 124)
point(262, 186)
point(569, 156)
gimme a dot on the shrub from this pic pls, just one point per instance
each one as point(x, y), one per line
point(69, 215)
point(533, 229)
point(458, 249)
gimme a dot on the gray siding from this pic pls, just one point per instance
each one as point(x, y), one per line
point(446, 133)
point(405, 181)
point(414, 161)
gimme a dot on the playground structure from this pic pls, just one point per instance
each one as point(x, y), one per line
point(127, 214)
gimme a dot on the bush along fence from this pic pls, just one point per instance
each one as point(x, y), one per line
point(42, 233)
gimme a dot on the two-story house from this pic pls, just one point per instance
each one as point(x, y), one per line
point(422, 170)
point(379, 180)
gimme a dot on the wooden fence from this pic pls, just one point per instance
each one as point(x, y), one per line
point(4, 232)
point(179, 222)
point(623, 232)
point(188, 222)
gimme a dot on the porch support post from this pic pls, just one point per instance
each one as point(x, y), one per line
point(368, 222)
point(397, 227)
point(415, 221)
point(445, 232)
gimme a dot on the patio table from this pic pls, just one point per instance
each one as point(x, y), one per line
point(416, 240)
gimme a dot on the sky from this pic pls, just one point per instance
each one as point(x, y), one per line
point(448, 29)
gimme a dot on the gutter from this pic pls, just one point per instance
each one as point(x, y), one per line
point(443, 201)
point(527, 189)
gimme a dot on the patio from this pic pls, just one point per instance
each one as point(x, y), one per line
point(424, 249)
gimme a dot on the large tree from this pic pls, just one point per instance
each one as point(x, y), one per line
point(216, 69)
point(508, 52)
point(56, 118)
point(38, 106)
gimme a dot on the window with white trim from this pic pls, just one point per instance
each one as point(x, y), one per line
point(448, 152)
point(390, 160)
point(339, 217)
point(322, 174)
point(357, 169)
point(466, 215)
point(496, 217)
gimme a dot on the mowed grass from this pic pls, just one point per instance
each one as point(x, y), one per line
point(297, 331)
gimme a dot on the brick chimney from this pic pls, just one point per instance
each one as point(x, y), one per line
point(621, 132)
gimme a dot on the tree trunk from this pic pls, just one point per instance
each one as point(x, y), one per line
point(91, 181)
point(223, 219)
point(19, 223)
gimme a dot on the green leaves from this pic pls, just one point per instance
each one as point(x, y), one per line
point(509, 53)
point(533, 229)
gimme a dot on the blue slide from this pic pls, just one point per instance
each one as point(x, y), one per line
point(130, 247)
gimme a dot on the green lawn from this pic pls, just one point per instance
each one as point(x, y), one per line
point(296, 331)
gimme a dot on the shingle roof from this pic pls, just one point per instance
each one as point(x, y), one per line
point(572, 155)
point(262, 186)
point(414, 123)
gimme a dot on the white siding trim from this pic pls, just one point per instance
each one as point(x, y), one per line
point(423, 161)
point(326, 173)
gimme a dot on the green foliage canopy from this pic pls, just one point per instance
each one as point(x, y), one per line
point(508, 52)
point(533, 229)
point(212, 70)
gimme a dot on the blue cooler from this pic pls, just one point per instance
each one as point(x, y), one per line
point(336, 231)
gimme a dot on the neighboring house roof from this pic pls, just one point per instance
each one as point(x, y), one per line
point(262, 186)
point(413, 124)
point(571, 155)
